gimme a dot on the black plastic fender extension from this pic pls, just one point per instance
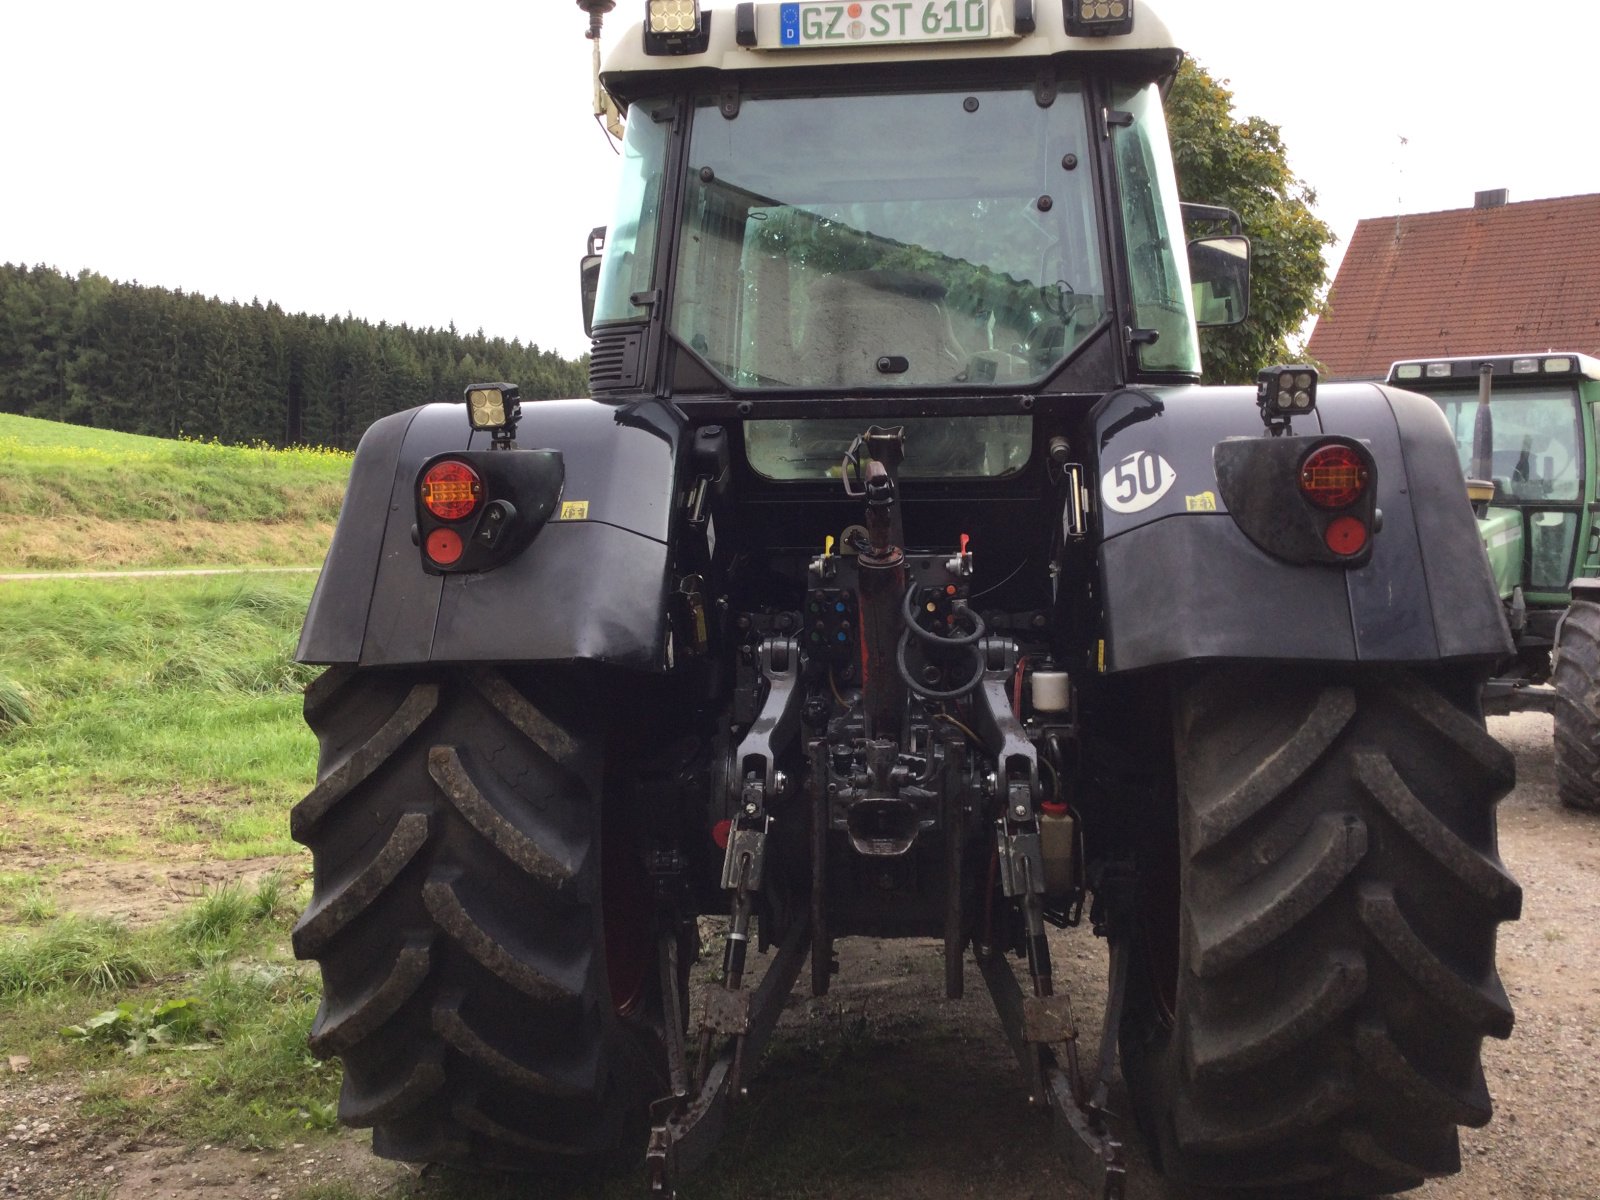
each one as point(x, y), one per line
point(591, 585)
point(1181, 580)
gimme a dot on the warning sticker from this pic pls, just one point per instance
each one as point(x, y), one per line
point(574, 510)
point(1204, 502)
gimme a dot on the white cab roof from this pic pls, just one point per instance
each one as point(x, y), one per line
point(627, 54)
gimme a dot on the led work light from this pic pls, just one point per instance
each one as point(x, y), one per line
point(1099, 18)
point(675, 27)
point(492, 405)
point(673, 16)
point(1284, 392)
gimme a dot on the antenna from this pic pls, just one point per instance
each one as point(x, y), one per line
point(605, 109)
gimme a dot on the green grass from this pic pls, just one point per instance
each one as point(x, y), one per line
point(82, 953)
point(32, 433)
point(230, 1066)
point(73, 498)
point(55, 470)
point(175, 699)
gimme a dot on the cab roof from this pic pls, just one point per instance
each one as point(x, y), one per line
point(1525, 368)
point(631, 66)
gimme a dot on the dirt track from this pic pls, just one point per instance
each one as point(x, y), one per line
point(882, 1089)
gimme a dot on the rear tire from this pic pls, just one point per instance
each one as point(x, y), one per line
point(1314, 1025)
point(1575, 674)
point(459, 923)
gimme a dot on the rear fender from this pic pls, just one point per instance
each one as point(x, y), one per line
point(1180, 580)
point(591, 583)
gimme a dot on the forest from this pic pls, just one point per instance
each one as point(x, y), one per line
point(93, 351)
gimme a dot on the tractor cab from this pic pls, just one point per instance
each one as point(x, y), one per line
point(954, 202)
point(1538, 457)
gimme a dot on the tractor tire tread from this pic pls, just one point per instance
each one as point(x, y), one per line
point(456, 918)
point(1338, 894)
point(1575, 675)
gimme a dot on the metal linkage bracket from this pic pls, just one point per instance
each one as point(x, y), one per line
point(775, 726)
point(1021, 860)
point(747, 853)
point(755, 776)
point(688, 1130)
point(1048, 1020)
point(1016, 771)
point(1084, 1129)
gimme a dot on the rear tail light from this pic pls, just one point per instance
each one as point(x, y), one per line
point(1346, 535)
point(444, 546)
point(1333, 477)
point(451, 491)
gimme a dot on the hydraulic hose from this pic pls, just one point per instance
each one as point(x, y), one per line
point(908, 610)
point(923, 689)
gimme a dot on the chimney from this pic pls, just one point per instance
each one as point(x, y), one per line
point(1495, 198)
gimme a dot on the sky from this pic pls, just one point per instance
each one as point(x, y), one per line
point(440, 164)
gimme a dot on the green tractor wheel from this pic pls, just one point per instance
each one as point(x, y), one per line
point(1307, 1004)
point(1575, 672)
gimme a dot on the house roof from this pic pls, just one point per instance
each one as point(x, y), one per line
point(1515, 278)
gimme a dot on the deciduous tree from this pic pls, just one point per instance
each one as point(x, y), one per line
point(1242, 163)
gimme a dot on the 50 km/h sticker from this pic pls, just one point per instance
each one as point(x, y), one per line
point(1137, 482)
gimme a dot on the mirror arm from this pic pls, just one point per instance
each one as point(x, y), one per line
point(1212, 212)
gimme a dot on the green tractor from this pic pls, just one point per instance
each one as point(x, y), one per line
point(898, 578)
point(1525, 430)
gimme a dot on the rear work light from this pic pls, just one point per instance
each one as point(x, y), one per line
point(451, 491)
point(1333, 477)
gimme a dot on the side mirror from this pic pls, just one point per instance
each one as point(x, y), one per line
point(1219, 276)
point(589, 276)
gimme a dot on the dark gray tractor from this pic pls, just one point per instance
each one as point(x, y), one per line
point(899, 580)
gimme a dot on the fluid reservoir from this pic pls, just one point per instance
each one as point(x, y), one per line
point(1058, 837)
point(1050, 691)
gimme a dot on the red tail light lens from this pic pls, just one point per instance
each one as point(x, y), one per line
point(451, 491)
point(444, 546)
point(1345, 535)
point(1333, 477)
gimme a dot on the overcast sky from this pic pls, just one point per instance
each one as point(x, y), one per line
point(430, 164)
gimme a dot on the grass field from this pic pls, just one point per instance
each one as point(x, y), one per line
point(161, 711)
point(72, 497)
point(148, 725)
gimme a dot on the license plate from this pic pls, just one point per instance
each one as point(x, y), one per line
point(884, 22)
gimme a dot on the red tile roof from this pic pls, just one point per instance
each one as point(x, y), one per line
point(1520, 277)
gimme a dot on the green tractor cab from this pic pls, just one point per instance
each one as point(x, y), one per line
point(1525, 429)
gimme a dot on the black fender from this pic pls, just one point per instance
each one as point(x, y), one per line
point(592, 583)
point(1180, 581)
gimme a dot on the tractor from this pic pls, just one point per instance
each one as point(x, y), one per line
point(1525, 434)
point(898, 579)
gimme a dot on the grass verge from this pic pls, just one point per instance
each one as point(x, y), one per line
point(157, 710)
point(78, 498)
point(194, 1028)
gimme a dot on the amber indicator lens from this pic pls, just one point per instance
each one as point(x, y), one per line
point(1333, 477)
point(1345, 535)
point(451, 491)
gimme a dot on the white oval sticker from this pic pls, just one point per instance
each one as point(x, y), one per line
point(1137, 482)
